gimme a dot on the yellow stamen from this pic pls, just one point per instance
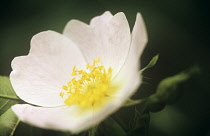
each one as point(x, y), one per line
point(61, 94)
point(87, 66)
point(97, 60)
point(89, 89)
point(64, 87)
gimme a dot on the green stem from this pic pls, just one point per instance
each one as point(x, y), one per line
point(9, 97)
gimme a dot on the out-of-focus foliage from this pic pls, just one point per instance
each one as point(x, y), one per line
point(168, 91)
point(8, 123)
point(6, 91)
point(8, 120)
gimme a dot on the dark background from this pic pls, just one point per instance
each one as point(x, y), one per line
point(177, 29)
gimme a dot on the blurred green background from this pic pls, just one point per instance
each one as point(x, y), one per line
point(177, 29)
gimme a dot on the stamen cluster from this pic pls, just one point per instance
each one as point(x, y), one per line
point(88, 88)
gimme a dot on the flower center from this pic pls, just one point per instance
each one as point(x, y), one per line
point(89, 88)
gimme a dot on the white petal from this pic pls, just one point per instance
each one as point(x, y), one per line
point(129, 75)
point(38, 77)
point(104, 18)
point(139, 36)
point(63, 118)
point(108, 37)
point(129, 79)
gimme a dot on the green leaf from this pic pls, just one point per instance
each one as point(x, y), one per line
point(111, 128)
point(7, 94)
point(151, 63)
point(8, 123)
point(131, 102)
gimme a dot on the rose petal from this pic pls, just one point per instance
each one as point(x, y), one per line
point(139, 36)
point(128, 78)
point(38, 77)
point(108, 39)
point(64, 118)
point(129, 75)
point(103, 19)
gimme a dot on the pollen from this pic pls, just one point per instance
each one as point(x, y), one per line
point(89, 88)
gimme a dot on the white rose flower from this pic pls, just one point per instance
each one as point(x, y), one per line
point(76, 79)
